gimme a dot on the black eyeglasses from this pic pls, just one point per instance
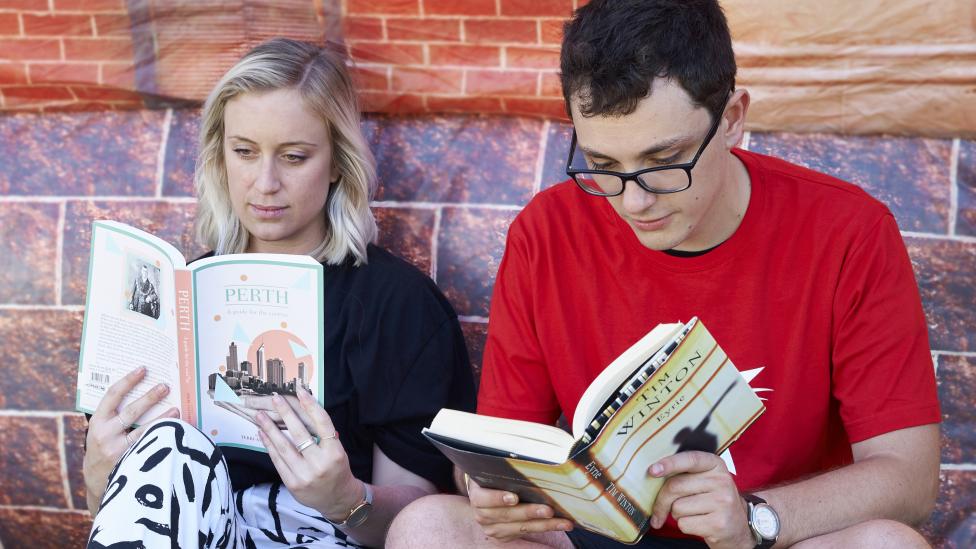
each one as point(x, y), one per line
point(658, 180)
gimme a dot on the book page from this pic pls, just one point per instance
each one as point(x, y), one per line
point(259, 332)
point(130, 317)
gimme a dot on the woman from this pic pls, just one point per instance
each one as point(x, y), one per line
point(284, 168)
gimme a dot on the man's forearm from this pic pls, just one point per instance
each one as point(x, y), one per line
point(882, 485)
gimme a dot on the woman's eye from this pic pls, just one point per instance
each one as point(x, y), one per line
point(243, 153)
point(294, 158)
point(669, 160)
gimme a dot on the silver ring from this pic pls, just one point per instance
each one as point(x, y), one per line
point(122, 423)
point(335, 434)
point(306, 444)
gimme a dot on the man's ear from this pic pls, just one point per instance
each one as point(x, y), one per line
point(735, 118)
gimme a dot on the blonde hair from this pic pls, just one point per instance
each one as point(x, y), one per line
point(320, 75)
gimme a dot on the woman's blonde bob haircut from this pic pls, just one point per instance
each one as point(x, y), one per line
point(320, 75)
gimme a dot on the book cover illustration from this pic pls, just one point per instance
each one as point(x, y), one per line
point(254, 324)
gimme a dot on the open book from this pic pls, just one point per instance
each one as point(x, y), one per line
point(225, 333)
point(673, 390)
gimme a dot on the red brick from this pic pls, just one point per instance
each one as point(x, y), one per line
point(19, 95)
point(98, 49)
point(470, 56)
point(89, 5)
point(531, 58)
point(363, 28)
point(394, 103)
point(389, 7)
point(120, 75)
point(96, 93)
point(89, 106)
point(44, 73)
point(459, 7)
point(485, 82)
point(371, 77)
point(551, 86)
point(57, 25)
point(552, 30)
point(447, 30)
point(109, 24)
point(9, 24)
point(562, 8)
point(523, 31)
point(464, 104)
point(397, 54)
point(30, 49)
point(426, 80)
point(13, 73)
point(31, 5)
point(546, 108)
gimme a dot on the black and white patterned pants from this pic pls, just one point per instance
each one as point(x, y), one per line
point(172, 489)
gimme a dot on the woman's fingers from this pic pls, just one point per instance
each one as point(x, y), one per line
point(280, 463)
point(117, 391)
point(321, 422)
point(134, 435)
point(135, 410)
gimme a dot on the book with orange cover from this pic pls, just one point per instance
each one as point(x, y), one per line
point(674, 390)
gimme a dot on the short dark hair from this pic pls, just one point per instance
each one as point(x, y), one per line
point(614, 49)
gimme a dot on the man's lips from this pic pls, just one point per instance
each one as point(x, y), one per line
point(651, 224)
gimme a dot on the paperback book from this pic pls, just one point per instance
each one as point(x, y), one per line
point(225, 333)
point(674, 390)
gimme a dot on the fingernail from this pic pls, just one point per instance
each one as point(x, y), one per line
point(277, 399)
point(510, 499)
point(261, 416)
point(566, 526)
point(162, 388)
point(657, 469)
point(542, 513)
point(140, 370)
point(654, 523)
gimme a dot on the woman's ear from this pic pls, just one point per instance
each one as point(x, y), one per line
point(735, 118)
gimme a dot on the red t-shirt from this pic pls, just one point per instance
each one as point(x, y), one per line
point(815, 287)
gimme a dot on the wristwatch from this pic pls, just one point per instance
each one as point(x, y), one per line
point(358, 513)
point(763, 521)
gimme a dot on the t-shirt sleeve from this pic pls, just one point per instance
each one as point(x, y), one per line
point(515, 380)
point(420, 375)
point(883, 375)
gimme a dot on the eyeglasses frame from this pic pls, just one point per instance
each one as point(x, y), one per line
point(634, 176)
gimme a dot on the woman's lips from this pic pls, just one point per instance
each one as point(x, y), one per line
point(267, 212)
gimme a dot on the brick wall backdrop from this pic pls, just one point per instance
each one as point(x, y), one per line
point(77, 143)
point(135, 166)
point(879, 66)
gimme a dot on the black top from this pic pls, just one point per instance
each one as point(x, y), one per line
point(394, 356)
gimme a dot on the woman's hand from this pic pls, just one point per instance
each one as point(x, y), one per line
point(318, 476)
point(108, 431)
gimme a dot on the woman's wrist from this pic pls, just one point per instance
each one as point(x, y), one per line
point(349, 497)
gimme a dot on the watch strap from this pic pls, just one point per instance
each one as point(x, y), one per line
point(357, 515)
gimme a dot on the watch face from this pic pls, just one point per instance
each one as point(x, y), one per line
point(765, 522)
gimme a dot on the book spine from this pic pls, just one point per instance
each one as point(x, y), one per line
point(186, 339)
point(630, 518)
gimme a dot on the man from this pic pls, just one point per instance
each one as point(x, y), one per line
point(803, 279)
point(144, 298)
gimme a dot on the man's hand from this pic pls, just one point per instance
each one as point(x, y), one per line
point(503, 518)
point(702, 497)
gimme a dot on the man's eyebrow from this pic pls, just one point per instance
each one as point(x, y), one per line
point(650, 151)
